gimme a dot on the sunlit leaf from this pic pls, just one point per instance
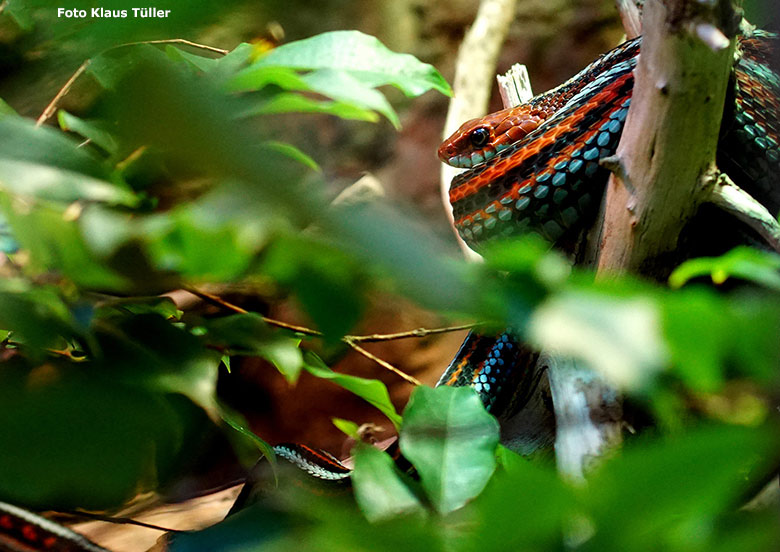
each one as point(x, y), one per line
point(347, 427)
point(239, 424)
point(619, 337)
point(363, 56)
point(289, 102)
point(744, 262)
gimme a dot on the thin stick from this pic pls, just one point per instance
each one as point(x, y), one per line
point(216, 300)
point(52, 107)
point(177, 41)
point(351, 340)
point(382, 363)
point(419, 332)
point(119, 521)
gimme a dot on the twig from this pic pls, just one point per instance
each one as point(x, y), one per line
point(382, 363)
point(419, 332)
point(176, 41)
point(350, 340)
point(52, 106)
point(736, 201)
point(120, 521)
point(216, 300)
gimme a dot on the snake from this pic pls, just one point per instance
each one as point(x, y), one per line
point(532, 168)
point(535, 167)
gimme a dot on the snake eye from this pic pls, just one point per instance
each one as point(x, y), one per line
point(479, 137)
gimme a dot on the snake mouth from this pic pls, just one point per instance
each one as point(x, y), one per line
point(475, 158)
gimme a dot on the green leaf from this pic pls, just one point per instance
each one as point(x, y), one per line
point(699, 335)
point(20, 12)
point(56, 243)
point(348, 428)
point(236, 421)
point(363, 56)
point(521, 489)
point(37, 315)
point(324, 279)
point(21, 141)
point(199, 63)
point(379, 489)
point(451, 440)
point(79, 439)
point(260, 77)
point(372, 391)
point(148, 351)
point(249, 334)
point(343, 87)
point(672, 489)
point(742, 262)
point(44, 182)
point(6, 110)
point(294, 153)
point(93, 130)
point(296, 103)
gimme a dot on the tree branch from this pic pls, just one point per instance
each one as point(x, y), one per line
point(733, 199)
point(670, 137)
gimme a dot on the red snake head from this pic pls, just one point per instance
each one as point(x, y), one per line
point(481, 139)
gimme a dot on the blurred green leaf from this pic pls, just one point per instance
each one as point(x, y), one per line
point(665, 493)
point(44, 182)
point(239, 424)
point(379, 489)
point(74, 439)
point(343, 87)
point(95, 131)
point(451, 440)
point(6, 110)
point(363, 56)
point(249, 334)
point(372, 391)
point(37, 315)
point(350, 429)
point(619, 337)
point(197, 62)
point(288, 102)
point(521, 489)
point(324, 279)
point(743, 262)
point(56, 243)
point(699, 336)
point(150, 352)
point(294, 153)
point(21, 142)
point(20, 13)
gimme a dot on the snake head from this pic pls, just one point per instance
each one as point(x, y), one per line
point(479, 140)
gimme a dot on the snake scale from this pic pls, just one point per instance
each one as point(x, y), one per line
point(534, 167)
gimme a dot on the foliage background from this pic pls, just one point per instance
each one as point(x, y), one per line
point(109, 389)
